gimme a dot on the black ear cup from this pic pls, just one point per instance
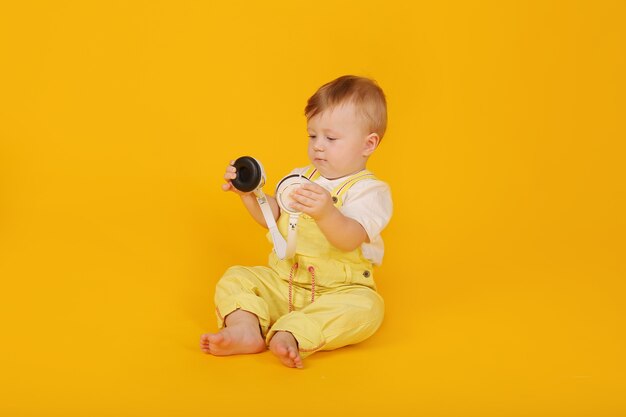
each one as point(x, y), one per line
point(249, 175)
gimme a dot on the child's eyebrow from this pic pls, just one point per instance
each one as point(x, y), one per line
point(331, 132)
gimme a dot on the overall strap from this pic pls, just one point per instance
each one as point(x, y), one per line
point(311, 173)
point(340, 191)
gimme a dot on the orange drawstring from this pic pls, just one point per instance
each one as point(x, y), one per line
point(294, 268)
point(312, 271)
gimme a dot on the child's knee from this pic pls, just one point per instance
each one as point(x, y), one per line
point(369, 316)
point(373, 305)
point(376, 308)
point(235, 279)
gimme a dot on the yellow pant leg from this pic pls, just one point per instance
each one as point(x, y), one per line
point(343, 317)
point(256, 289)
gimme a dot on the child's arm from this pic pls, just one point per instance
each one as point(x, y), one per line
point(342, 232)
point(249, 199)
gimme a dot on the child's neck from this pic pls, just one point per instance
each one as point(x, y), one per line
point(346, 175)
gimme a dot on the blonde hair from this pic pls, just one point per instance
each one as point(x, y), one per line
point(363, 93)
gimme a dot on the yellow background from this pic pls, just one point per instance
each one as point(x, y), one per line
point(504, 272)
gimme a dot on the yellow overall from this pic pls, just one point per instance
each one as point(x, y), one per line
point(323, 296)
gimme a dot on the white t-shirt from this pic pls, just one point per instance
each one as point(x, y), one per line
point(368, 202)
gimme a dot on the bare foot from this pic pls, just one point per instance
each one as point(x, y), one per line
point(285, 347)
point(240, 336)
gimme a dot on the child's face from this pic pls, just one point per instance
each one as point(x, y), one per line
point(339, 143)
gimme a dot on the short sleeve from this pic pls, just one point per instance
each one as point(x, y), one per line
point(369, 203)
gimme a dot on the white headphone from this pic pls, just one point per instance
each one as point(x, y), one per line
point(251, 177)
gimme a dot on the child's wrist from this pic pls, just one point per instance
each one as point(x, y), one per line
point(328, 215)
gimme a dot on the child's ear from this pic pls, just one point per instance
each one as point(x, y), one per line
point(371, 143)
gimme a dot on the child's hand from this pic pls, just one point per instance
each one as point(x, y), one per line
point(313, 200)
point(231, 174)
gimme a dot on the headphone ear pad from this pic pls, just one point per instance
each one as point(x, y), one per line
point(249, 174)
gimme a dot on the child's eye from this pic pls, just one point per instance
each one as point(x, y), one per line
point(311, 136)
point(329, 138)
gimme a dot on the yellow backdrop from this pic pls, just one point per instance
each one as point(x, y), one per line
point(504, 275)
